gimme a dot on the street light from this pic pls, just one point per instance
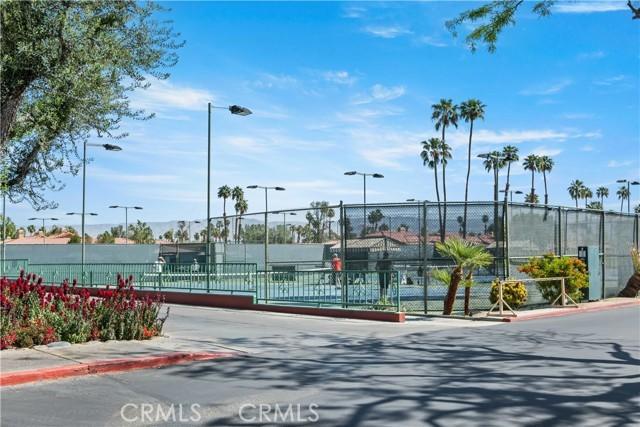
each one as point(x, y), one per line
point(266, 225)
point(511, 192)
point(126, 219)
point(44, 230)
point(629, 183)
point(364, 180)
point(238, 111)
point(108, 147)
point(284, 224)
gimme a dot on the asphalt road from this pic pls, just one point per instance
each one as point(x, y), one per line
point(577, 370)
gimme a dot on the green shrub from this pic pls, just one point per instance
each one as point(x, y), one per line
point(514, 293)
point(549, 265)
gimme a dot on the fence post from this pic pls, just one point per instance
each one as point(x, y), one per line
point(425, 247)
point(344, 292)
point(397, 291)
point(602, 242)
point(505, 237)
point(559, 231)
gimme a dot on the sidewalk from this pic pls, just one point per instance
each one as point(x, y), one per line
point(587, 307)
point(19, 366)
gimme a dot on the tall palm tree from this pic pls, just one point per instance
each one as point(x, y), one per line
point(494, 162)
point(224, 193)
point(237, 193)
point(444, 114)
point(601, 193)
point(623, 194)
point(241, 208)
point(430, 156)
point(530, 163)
point(545, 164)
point(588, 195)
point(510, 154)
point(574, 190)
point(470, 111)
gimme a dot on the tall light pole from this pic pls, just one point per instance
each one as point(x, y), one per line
point(364, 182)
point(126, 219)
point(284, 224)
point(629, 184)
point(238, 111)
point(108, 147)
point(44, 230)
point(266, 217)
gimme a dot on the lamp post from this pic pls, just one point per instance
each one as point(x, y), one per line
point(364, 182)
point(629, 184)
point(44, 230)
point(126, 219)
point(266, 225)
point(108, 147)
point(238, 111)
point(284, 224)
point(511, 192)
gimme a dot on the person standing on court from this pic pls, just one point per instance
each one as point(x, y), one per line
point(336, 268)
point(383, 267)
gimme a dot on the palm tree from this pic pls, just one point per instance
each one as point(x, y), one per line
point(182, 234)
point(623, 194)
point(531, 163)
point(494, 162)
point(509, 154)
point(585, 193)
point(460, 222)
point(467, 257)
point(574, 190)
point(545, 164)
point(237, 193)
point(224, 193)
point(601, 193)
point(636, 209)
point(331, 213)
point(241, 208)
point(375, 217)
point(444, 114)
point(532, 198)
point(485, 221)
point(470, 111)
point(430, 155)
point(595, 206)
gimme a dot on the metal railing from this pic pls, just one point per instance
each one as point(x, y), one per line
point(374, 290)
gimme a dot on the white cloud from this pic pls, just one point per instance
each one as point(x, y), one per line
point(598, 54)
point(365, 115)
point(380, 93)
point(619, 164)
point(339, 77)
point(589, 6)
point(386, 32)
point(610, 81)
point(546, 151)
point(460, 138)
point(587, 148)
point(353, 12)
point(277, 81)
point(164, 95)
point(118, 176)
point(547, 89)
point(431, 41)
point(577, 116)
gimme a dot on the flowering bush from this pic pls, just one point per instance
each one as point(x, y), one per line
point(33, 314)
point(549, 265)
point(514, 293)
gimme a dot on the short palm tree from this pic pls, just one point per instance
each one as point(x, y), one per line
point(530, 163)
point(224, 193)
point(467, 257)
point(470, 110)
point(601, 193)
point(623, 194)
point(574, 190)
point(430, 156)
point(510, 154)
point(545, 164)
point(585, 193)
point(485, 221)
point(444, 114)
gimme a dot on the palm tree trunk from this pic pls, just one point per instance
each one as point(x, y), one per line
point(506, 187)
point(533, 189)
point(546, 195)
point(621, 204)
point(435, 173)
point(444, 192)
point(450, 298)
point(466, 184)
point(467, 294)
point(224, 217)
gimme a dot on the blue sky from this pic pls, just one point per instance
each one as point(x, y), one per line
point(348, 86)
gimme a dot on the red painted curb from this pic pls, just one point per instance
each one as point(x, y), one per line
point(106, 366)
point(570, 312)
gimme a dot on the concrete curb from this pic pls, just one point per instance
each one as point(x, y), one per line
point(106, 366)
point(571, 311)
